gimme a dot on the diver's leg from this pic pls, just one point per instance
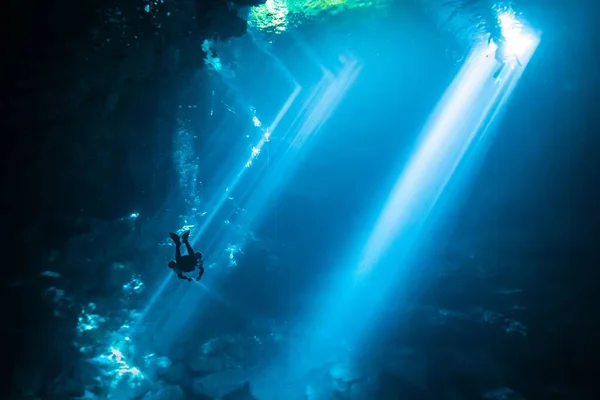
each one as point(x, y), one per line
point(190, 251)
point(177, 241)
point(178, 253)
point(185, 236)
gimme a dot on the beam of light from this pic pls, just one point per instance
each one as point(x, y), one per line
point(241, 170)
point(236, 173)
point(285, 154)
point(519, 42)
point(441, 147)
point(265, 137)
point(217, 202)
point(459, 126)
point(316, 110)
point(288, 151)
point(266, 183)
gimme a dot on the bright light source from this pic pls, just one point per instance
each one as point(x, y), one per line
point(518, 41)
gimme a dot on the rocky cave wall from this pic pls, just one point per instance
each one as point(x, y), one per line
point(91, 98)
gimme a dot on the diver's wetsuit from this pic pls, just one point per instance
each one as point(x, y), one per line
point(187, 263)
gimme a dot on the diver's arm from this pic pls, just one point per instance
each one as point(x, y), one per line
point(200, 273)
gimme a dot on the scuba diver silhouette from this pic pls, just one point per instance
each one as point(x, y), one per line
point(187, 263)
point(500, 53)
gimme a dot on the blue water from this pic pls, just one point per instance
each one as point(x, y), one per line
point(383, 211)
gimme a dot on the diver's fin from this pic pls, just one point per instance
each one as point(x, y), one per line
point(174, 237)
point(185, 236)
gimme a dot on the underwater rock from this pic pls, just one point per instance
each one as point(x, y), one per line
point(244, 393)
point(220, 384)
point(29, 382)
point(178, 353)
point(73, 388)
point(212, 356)
point(211, 364)
point(321, 389)
point(359, 390)
point(217, 345)
point(337, 381)
point(169, 392)
point(156, 367)
point(343, 376)
point(103, 241)
point(130, 388)
point(163, 364)
point(176, 373)
point(247, 350)
point(391, 385)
